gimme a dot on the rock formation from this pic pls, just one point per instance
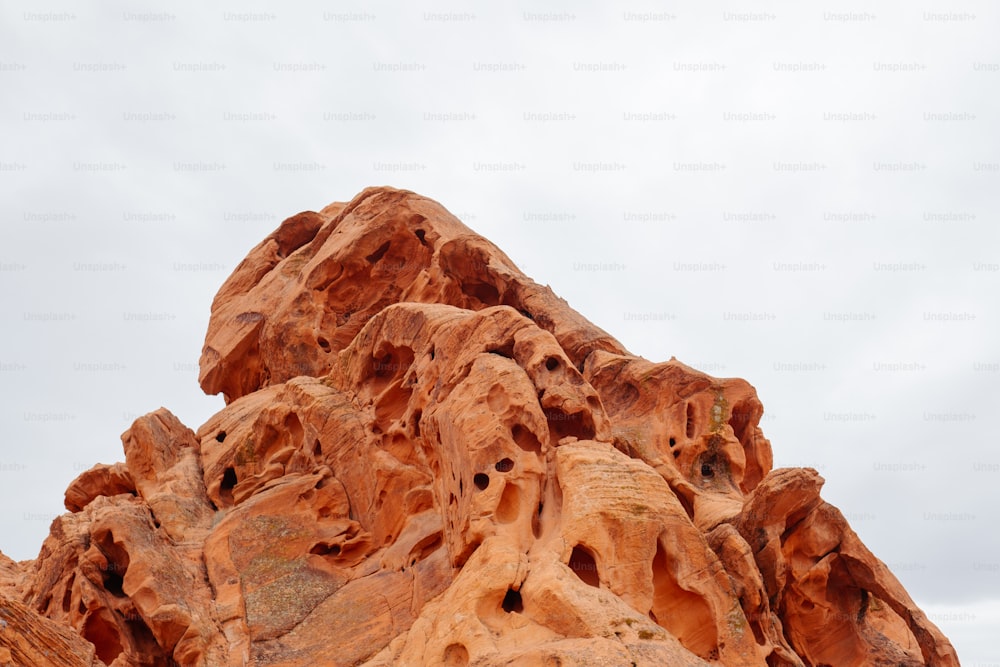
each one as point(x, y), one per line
point(426, 458)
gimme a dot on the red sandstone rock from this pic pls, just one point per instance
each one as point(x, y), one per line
point(29, 639)
point(101, 480)
point(12, 576)
point(428, 459)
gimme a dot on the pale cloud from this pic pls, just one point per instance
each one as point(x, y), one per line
point(800, 195)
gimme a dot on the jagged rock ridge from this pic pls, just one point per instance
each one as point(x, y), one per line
point(425, 459)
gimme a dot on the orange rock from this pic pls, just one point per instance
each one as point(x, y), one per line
point(428, 459)
point(126, 571)
point(306, 291)
point(12, 576)
point(101, 480)
point(27, 638)
point(842, 606)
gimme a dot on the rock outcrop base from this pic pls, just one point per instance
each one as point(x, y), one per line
point(426, 458)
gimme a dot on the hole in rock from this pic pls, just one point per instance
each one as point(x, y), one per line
point(379, 253)
point(220, 436)
point(67, 600)
point(113, 572)
point(486, 294)
point(456, 655)
point(673, 442)
point(706, 470)
point(579, 425)
point(677, 453)
point(323, 343)
point(690, 421)
point(504, 465)
point(293, 427)
point(481, 480)
point(582, 562)
point(740, 419)
point(461, 487)
point(551, 363)
point(512, 602)
point(226, 486)
point(317, 448)
point(393, 363)
point(104, 636)
point(525, 439)
point(113, 581)
point(142, 638)
point(421, 236)
point(510, 504)
point(322, 549)
point(384, 367)
point(863, 609)
point(506, 350)
point(432, 354)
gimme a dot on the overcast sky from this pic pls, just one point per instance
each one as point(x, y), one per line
point(801, 194)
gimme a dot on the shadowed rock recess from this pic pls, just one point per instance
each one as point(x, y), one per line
point(426, 458)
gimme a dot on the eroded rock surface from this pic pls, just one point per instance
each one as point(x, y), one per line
point(428, 459)
point(26, 638)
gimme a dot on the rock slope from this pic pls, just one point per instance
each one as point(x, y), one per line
point(426, 458)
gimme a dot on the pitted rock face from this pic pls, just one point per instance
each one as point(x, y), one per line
point(428, 459)
point(307, 290)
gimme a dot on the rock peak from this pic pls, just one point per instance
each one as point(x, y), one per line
point(426, 458)
point(305, 292)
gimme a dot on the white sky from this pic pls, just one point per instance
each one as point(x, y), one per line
point(830, 170)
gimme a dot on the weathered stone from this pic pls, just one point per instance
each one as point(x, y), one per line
point(426, 458)
point(26, 638)
point(101, 480)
